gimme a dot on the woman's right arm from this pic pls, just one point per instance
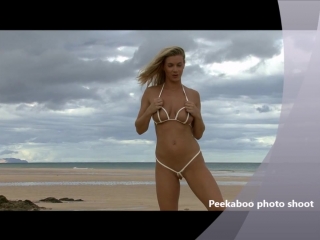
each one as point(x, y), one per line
point(144, 116)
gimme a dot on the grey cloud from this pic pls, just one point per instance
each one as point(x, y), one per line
point(156, 40)
point(72, 131)
point(271, 86)
point(233, 145)
point(59, 67)
point(263, 109)
point(238, 130)
point(261, 44)
point(194, 70)
point(65, 130)
point(108, 122)
point(44, 67)
point(38, 41)
point(25, 76)
point(233, 120)
point(256, 67)
point(55, 77)
point(35, 42)
point(6, 152)
point(50, 97)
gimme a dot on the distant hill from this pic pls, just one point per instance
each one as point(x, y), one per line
point(12, 160)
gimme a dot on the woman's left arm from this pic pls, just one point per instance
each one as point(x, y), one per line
point(194, 108)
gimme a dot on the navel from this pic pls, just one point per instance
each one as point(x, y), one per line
point(174, 142)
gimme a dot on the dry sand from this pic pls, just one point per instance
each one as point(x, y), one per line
point(99, 197)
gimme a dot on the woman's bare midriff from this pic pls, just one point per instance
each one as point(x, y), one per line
point(176, 145)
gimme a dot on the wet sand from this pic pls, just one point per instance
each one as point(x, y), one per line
point(100, 189)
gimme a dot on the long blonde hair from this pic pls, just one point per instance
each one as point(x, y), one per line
point(153, 73)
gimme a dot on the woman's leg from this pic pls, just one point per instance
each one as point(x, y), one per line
point(202, 183)
point(168, 188)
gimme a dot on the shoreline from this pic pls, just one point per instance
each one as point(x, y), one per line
point(99, 197)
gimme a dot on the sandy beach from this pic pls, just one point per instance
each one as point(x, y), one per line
point(90, 185)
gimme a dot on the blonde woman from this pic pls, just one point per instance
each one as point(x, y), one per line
point(176, 112)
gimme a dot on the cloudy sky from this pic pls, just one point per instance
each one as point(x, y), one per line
point(73, 95)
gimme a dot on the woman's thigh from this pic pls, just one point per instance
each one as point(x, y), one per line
point(168, 188)
point(202, 183)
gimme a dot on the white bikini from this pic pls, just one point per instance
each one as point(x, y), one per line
point(174, 119)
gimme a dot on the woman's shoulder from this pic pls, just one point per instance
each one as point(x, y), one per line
point(191, 91)
point(151, 91)
point(153, 88)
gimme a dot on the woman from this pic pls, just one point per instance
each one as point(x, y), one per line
point(175, 110)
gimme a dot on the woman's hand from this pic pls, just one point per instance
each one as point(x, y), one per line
point(155, 105)
point(192, 109)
